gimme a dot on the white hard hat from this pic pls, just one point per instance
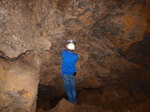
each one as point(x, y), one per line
point(71, 46)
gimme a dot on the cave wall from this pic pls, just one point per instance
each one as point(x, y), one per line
point(33, 33)
point(18, 84)
point(104, 31)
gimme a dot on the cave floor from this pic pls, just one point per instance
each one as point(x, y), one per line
point(113, 98)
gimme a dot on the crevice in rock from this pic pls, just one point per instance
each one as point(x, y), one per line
point(2, 55)
point(139, 52)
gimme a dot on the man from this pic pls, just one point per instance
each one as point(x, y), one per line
point(69, 60)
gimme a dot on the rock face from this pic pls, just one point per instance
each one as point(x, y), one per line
point(65, 106)
point(104, 32)
point(33, 34)
point(18, 85)
point(19, 29)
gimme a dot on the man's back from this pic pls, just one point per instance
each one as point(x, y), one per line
point(69, 60)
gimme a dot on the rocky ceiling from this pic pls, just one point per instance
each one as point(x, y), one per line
point(112, 39)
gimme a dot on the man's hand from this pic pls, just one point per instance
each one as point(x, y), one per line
point(74, 74)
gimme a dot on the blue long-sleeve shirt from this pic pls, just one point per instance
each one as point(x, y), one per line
point(69, 60)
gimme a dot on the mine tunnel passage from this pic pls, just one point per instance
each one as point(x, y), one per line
point(113, 46)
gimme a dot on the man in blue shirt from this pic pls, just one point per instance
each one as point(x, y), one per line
point(69, 60)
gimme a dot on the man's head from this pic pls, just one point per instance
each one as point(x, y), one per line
point(70, 45)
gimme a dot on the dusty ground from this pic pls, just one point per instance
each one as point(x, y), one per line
point(115, 98)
